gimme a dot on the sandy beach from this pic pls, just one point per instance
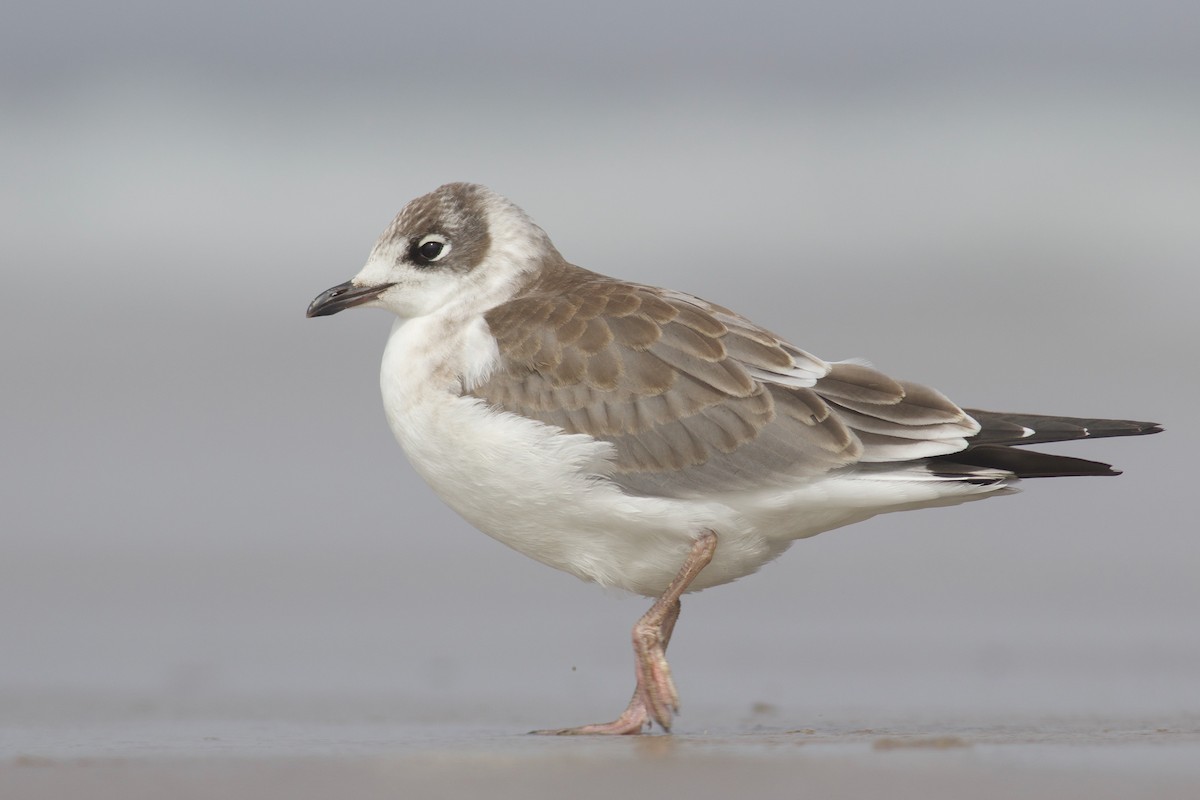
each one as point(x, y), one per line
point(130, 748)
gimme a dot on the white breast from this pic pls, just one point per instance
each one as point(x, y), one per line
point(535, 488)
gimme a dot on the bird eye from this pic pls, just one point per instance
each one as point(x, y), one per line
point(431, 248)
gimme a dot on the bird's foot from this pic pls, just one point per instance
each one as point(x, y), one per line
point(655, 688)
point(632, 721)
point(654, 700)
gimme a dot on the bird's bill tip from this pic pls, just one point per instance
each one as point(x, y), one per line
point(343, 296)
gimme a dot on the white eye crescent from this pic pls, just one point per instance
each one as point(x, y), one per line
point(432, 247)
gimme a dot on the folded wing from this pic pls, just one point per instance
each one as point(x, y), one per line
point(695, 398)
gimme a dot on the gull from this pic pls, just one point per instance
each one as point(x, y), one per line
point(643, 438)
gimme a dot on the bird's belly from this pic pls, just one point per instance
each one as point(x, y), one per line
point(544, 493)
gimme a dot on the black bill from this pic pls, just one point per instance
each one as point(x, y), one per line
point(343, 296)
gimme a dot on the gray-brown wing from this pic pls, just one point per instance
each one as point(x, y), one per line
point(693, 397)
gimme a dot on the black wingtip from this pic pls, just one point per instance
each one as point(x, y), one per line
point(1105, 428)
point(1026, 429)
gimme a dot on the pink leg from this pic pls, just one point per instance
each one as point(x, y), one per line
point(655, 698)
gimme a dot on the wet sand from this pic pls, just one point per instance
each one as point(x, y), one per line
point(133, 748)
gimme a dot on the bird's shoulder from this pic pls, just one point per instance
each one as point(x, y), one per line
point(579, 326)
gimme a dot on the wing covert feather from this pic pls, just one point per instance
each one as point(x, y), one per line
point(695, 398)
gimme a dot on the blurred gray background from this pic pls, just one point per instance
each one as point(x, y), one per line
point(202, 501)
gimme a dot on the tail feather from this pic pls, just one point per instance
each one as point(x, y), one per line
point(1023, 463)
point(995, 446)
